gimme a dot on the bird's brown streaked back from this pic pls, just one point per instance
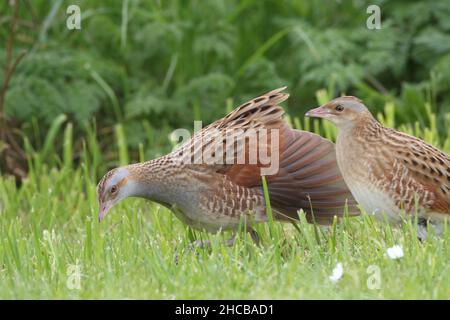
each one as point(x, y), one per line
point(427, 168)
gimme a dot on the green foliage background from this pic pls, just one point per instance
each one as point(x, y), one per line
point(152, 66)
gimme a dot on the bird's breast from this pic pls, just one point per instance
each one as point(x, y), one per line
point(364, 172)
point(374, 201)
point(352, 159)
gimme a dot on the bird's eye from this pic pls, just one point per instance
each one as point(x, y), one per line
point(113, 189)
point(339, 108)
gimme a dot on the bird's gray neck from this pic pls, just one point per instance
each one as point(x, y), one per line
point(153, 182)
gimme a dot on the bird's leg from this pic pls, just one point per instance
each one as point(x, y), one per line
point(425, 224)
point(228, 243)
point(201, 244)
point(254, 235)
point(207, 244)
point(422, 231)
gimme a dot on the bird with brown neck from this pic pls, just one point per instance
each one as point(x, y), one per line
point(224, 188)
point(389, 172)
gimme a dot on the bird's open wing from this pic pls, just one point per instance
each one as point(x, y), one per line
point(220, 145)
point(305, 175)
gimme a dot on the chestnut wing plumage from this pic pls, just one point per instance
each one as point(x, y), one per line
point(307, 176)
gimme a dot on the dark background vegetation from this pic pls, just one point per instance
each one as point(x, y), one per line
point(140, 68)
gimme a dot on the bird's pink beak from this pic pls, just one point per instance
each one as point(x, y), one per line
point(104, 208)
point(320, 112)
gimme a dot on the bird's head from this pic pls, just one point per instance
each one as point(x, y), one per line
point(115, 186)
point(342, 111)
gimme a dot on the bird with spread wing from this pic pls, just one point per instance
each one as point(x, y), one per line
point(211, 184)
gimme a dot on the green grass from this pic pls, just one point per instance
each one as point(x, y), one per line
point(49, 227)
point(143, 251)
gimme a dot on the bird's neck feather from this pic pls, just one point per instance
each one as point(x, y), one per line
point(366, 124)
point(148, 182)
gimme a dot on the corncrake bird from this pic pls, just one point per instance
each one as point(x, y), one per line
point(389, 173)
point(220, 194)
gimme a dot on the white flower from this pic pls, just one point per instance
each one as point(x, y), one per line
point(337, 273)
point(395, 252)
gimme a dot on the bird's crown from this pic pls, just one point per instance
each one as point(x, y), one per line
point(350, 98)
